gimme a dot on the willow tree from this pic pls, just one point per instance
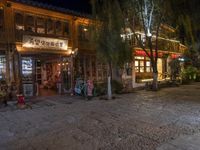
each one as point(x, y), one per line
point(149, 14)
point(110, 47)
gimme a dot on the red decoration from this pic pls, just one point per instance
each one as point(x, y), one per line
point(90, 87)
point(20, 99)
point(160, 54)
point(142, 53)
point(174, 56)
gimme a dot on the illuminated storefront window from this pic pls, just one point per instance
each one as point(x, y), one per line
point(142, 64)
point(139, 64)
point(148, 66)
point(2, 67)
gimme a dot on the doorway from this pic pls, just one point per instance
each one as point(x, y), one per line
point(53, 75)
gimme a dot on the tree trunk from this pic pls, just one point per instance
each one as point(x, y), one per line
point(109, 87)
point(155, 81)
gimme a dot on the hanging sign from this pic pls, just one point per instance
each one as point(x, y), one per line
point(44, 43)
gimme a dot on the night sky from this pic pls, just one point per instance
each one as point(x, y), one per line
point(76, 5)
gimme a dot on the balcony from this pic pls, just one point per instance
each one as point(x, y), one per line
point(164, 44)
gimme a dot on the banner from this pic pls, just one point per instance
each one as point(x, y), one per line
point(44, 43)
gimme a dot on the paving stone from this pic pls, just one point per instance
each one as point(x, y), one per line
point(144, 120)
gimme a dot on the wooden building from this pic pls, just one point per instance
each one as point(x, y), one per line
point(37, 45)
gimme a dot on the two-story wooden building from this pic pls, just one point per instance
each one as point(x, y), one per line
point(37, 45)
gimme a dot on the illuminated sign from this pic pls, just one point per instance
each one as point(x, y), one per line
point(44, 43)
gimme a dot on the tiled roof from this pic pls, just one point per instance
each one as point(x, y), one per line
point(51, 7)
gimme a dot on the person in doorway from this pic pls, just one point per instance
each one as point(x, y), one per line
point(13, 91)
point(4, 92)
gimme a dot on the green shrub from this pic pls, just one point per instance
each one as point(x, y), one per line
point(189, 74)
point(101, 88)
point(198, 76)
point(117, 87)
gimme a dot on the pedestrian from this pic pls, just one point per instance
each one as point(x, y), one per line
point(90, 87)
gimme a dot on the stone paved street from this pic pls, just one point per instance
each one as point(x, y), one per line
point(165, 120)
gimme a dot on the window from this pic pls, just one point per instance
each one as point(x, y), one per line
point(2, 67)
point(1, 18)
point(101, 71)
point(128, 69)
point(139, 63)
point(83, 33)
point(66, 29)
point(19, 22)
point(30, 24)
point(58, 27)
point(148, 66)
point(50, 26)
point(142, 64)
point(41, 25)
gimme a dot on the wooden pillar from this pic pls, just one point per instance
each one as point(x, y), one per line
point(90, 65)
point(84, 67)
point(133, 73)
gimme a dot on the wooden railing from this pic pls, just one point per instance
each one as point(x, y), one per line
point(19, 36)
point(164, 44)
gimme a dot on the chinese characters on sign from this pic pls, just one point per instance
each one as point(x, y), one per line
point(44, 43)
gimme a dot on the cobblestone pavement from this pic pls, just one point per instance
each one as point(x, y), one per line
point(165, 120)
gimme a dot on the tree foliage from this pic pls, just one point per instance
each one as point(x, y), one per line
point(109, 24)
point(109, 45)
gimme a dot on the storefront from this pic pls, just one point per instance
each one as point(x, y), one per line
point(46, 65)
point(141, 70)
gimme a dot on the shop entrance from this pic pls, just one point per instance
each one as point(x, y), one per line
point(52, 75)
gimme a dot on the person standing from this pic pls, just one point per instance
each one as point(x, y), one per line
point(90, 87)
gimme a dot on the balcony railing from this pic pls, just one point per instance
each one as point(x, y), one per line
point(19, 36)
point(164, 44)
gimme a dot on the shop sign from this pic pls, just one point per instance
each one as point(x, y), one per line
point(44, 43)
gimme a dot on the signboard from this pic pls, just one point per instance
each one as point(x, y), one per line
point(27, 69)
point(28, 90)
point(44, 43)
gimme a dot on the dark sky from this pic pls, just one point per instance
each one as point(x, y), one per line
point(76, 5)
